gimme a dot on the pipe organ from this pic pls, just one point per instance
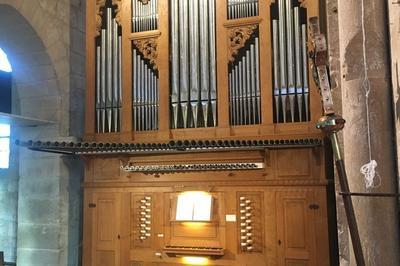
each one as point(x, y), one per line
point(200, 144)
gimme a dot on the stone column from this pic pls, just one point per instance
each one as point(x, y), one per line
point(377, 218)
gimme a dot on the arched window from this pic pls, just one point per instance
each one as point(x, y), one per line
point(4, 63)
point(4, 146)
point(5, 106)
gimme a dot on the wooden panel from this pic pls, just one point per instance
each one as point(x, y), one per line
point(106, 233)
point(105, 258)
point(293, 163)
point(106, 168)
point(296, 263)
point(295, 224)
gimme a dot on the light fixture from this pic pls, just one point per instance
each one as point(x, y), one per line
point(195, 260)
point(194, 206)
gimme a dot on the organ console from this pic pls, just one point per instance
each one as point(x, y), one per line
point(205, 96)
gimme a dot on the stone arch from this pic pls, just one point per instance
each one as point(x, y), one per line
point(37, 36)
point(35, 81)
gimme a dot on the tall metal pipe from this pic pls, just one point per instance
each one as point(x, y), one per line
point(275, 49)
point(290, 57)
point(98, 88)
point(253, 67)
point(175, 62)
point(282, 55)
point(297, 40)
point(109, 70)
point(115, 76)
point(194, 59)
point(184, 59)
point(305, 69)
point(237, 100)
point(103, 80)
point(213, 74)
point(258, 92)
point(134, 90)
point(204, 60)
point(240, 93)
point(248, 86)
point(119, 105)
point(230, 98)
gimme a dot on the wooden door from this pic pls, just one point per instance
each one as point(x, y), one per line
point(296, 228)
point(106, 209)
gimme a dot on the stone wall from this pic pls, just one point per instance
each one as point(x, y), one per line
point(45, 44)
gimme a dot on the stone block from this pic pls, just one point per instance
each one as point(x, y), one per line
point(38, 236)
point(36, 257)
point(38, 186)
point(43, 211)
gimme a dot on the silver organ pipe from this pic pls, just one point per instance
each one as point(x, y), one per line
point(305, 68)
point(204, 70)
point(193, 77)
point(98, 89)
point(212, 62)
point(109, 72)
point(108, 76)
point(290, 57)
point(275, 58)
point(244, 86)
point(103, 81)
point(290, 67)
point(145, 16)
point(242, 8)
point(297, 44)
point(145, 93)
point(282, 56)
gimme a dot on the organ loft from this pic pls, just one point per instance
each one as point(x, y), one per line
point(210, 134)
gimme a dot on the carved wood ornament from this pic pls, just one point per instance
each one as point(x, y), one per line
point(237, 39)
point(99, 13)
point(144, 2)
point(148, 47)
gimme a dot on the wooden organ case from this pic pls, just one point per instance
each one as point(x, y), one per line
point(202, 97)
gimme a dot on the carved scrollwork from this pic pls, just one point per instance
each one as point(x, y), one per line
point(148, 48)
point(99, 13)
point(117, 3)
point(237, 39)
